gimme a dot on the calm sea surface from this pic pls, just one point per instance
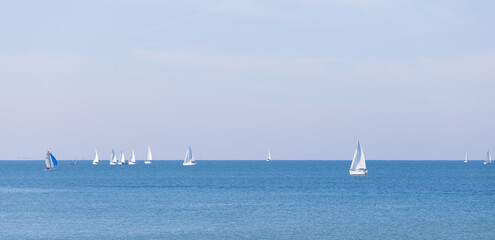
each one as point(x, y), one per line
point(248, 200)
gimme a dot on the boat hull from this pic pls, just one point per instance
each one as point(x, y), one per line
point(358, 172)
point(147, 162)
point(131, 163)
point(189, 164)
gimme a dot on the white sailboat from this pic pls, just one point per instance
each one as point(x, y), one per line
point(113, 158)
point(466, 158)
point(488, 158)
point(132, 161)
point(50, 161)
point(189, 159)
point(122, 159)
point(358, 165)
point(96, 160)
point(269, 157)
point(149, 158)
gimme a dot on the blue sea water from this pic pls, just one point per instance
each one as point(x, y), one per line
point(247, 200)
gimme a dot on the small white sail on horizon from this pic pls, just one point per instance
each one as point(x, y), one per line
point(96, 160)
point(358, 165)
point(189, 159)
point(132, 161)
point(121, 158)
point(488, 158)
point(269, 157)
point(113, 158)
point(466, 158)
point(149, 157)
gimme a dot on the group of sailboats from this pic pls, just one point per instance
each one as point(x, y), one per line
point(189, 160)
point(488, 158)
point(121, 160)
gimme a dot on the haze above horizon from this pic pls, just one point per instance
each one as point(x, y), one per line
point(234, 79)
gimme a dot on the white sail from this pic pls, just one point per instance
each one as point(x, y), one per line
point(132, 161)
point(488, 158)
point(48, 161)
point(466, 158)
point(269, 157)
point(96, 160)
point(149, 158)
point(189, 159)
point(122, 158)
point(358, 165)
point(113, 158)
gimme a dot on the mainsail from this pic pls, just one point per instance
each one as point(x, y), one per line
point(132, 161)
point(488, 158)
point(358, 162)
point(466, 158)
point(269, 157)
point(96, 160)
point(113, 158)
point(149, 158)
point(122, 158)
point(50, 160)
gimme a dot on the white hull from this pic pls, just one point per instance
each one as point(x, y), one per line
point(146, 162)
point(189, 164)
point(267, 160)
point(465, 161)
point(358, 172)
point(95, 163)
point(485, 163)
point(131, 163)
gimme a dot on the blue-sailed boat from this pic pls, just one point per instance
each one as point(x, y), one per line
point(50, 160)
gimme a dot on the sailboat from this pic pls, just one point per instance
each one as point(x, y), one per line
point(132, 161)
point(122, 159)
point(189, 159)
point(488, 158)
point(149, 158)
point(358, 165)
point(113, 158)
point(50, 161)
point(96, 160)
point(269, 157)
point(465, 159)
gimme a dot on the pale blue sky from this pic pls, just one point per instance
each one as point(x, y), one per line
point(410, 79)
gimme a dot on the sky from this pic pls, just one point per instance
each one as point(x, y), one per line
point(235, 79)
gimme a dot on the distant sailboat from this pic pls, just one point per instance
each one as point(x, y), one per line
point(113, 158)
point(132, 161)
point(50, 161)
point(269, 157)
point(488, 158)
point(96, 160)
point(149, 158)
point(358, 165)
point(466, 158)
point(189, 159)
point(122, 159)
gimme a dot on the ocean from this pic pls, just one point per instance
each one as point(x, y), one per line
point(247, 200)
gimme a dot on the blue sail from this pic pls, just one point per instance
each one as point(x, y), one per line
point(54, 160)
